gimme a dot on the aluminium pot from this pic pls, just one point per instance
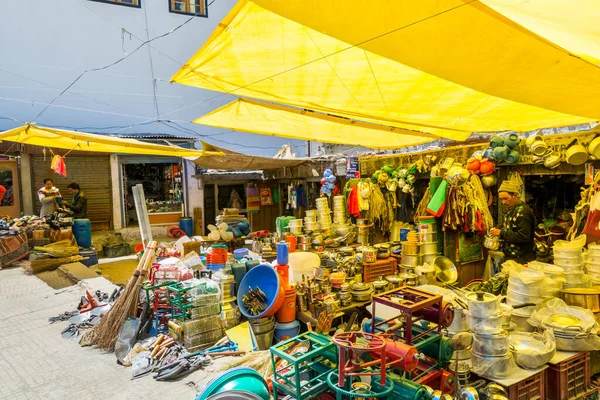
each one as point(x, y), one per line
point(491, 344)
point(369, 254)
point(576, 153)
point(594, 147)
point(384, 250)
point(588, 298)
point(482, 304)
point(491, 242)
point(411, 260)
point(429, 248)
point(395, 281)
point(491, 367)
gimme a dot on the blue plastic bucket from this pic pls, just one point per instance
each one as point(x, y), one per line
point(215, 267)
point(267, 279)
point(287, 330)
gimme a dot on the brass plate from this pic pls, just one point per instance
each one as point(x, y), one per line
point(564, 320)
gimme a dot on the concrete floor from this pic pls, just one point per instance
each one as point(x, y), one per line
point(37, 363)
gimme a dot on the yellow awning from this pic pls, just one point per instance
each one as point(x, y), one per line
point(71, 140)
point(466, 42)
point(258, 54)
point(572, 24)
point(275, 120)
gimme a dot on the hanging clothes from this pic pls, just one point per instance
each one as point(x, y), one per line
point(293, 198)
point(58, 165)
point(252, 198)
point(353, 207)
point(301, 196)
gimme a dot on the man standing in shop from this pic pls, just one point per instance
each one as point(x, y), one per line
point(79, 204)
point(516, 229)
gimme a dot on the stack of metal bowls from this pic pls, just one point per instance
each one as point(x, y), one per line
point(428, 250)
point(324, 215)
point(570, 259)
point(310, 222)
point(339, 210)
point(411, 255)
point(524, 286)
point(592, 263)
point(363, 231)
point(295, 226)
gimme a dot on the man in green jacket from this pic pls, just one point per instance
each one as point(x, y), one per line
point(517, 227)
point(79, 204)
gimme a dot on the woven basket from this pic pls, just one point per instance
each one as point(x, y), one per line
point(188, 247)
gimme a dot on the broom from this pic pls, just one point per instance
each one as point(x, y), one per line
point(260, 361)
point(37, 266)
point(106, 333)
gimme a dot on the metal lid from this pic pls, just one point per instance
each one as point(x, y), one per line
point(359, 286)
point(394, 278)
point(380, 282)
point(482, 297)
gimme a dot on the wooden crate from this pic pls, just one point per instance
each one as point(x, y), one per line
point(569, 379)
point(372, 271)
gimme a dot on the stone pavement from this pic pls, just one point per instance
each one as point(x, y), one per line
point(37, 363)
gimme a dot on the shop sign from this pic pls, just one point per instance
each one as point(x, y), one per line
point(352, 168)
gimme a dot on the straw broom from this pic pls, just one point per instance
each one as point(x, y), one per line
point(37, 266)
point(260, 361)
point(106, 333)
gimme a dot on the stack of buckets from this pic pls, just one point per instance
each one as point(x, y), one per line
point(324, 215)
point(339, 210)
point(428, 239)
point(217, 258)
point(295, 227)
point(287, 326)
point(310, 222)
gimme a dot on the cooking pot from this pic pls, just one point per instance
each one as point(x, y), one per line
point(583, 297)
point(482, 304)
point(491, 344)
point(538, 146)
point(594, 147)
point(489, 180)
point(576, 153)
point(369, 254)
point(411, 260)
point(395, 280)
point(512, 141)
point(473, 165)
point(552, 161)
point(491, 242)
point(429, 248)
point(411, 279)
point(497, 141)
point(380, 285)
point(512, 157)
point(501, 152)
point(487, 167)
point(383, 250)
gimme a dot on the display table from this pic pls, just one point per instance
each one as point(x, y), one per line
point(13, 248)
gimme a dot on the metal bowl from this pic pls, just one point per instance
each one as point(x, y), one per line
point(445, 270)
point(529, 351)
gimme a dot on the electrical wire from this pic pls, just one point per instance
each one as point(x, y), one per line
point(112, 64)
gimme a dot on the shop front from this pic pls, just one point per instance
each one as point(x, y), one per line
point(163, 179)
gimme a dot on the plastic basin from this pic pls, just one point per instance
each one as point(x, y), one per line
point(267, 279)
point(240, 378)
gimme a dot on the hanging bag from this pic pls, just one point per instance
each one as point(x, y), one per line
point(266, 198)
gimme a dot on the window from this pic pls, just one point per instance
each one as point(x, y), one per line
point(128, 3)
point(189, 7)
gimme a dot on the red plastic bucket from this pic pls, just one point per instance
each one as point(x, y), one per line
point(287, 312)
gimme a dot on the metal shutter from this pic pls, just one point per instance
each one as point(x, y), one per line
point(93, 175)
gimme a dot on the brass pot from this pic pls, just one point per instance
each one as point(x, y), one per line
point(583, 297)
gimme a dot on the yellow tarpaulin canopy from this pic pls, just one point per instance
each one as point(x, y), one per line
point(259, 54)
point(71, 140)
point(269, 119)
point(572, 24)
point(467, 42)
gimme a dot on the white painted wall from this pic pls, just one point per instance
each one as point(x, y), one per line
point(46, 44)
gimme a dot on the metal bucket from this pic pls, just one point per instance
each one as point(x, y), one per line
point(264, 340)
point(262, 325)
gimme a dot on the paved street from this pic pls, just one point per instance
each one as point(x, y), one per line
point(37, 363)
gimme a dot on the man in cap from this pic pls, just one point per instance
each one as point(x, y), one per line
point(516, 228)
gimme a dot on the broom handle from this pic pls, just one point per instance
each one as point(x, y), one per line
point(144, 260)
point(150, 250)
